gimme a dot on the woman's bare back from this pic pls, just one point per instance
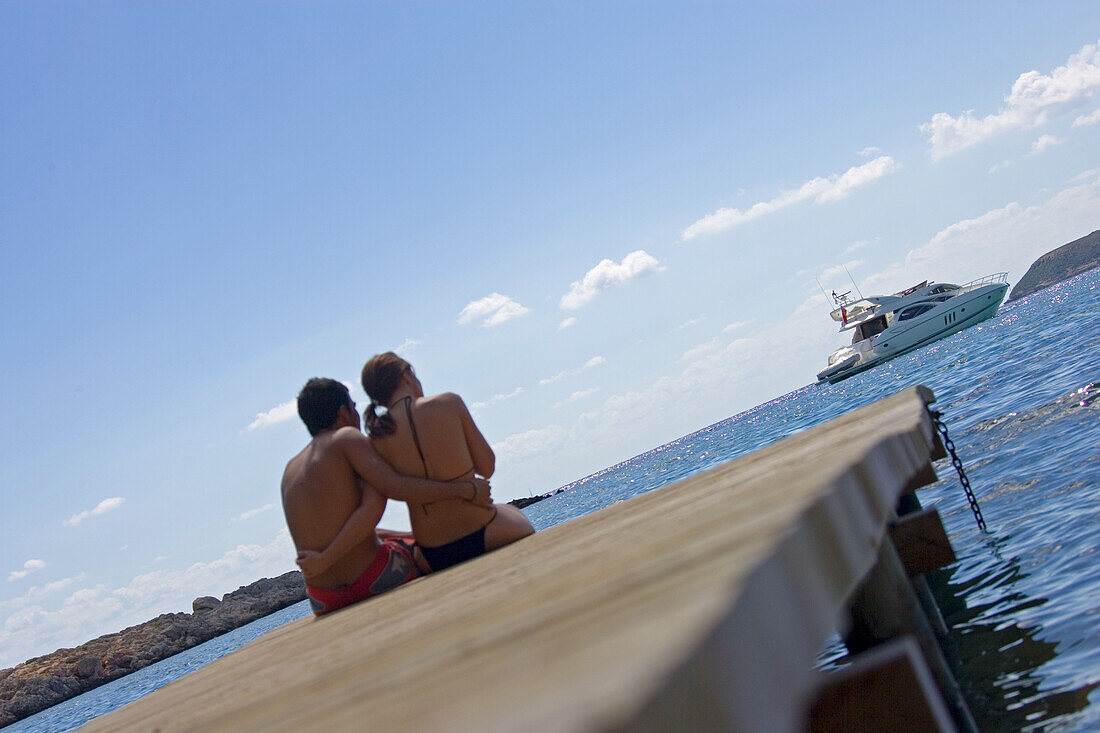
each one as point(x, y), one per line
point(433, 438)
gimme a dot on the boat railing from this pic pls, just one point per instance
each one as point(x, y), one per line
point(997, 277)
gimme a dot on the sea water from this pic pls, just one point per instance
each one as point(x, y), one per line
point(1020, 394)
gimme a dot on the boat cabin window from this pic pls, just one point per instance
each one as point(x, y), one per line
point(941, 289)
point(869, 329)
point(915, 310)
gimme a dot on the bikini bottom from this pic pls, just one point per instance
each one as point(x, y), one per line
point(460, 550)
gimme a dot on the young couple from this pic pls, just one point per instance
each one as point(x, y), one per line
point(335, 490)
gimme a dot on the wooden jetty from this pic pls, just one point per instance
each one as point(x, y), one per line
point(699, 606)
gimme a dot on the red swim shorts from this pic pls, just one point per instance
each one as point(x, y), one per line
point(392, 566)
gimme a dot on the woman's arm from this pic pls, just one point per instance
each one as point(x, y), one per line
point(358, 528)
point(480, 452)
point(366, 462)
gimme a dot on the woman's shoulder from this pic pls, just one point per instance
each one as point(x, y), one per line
point(443, 399)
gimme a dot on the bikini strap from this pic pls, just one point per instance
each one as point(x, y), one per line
point(416, 438)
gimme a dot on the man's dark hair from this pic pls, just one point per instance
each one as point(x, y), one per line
point(320, 401)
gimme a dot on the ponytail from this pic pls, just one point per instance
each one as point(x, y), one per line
point(381, 377)
point(378, 425)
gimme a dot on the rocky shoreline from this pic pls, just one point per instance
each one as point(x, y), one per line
point(528, 501)
point(1080, 255)
point(42, 682)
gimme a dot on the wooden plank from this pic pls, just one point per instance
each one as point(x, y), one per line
point(922, 542)
point(886, 607)
point(924, 478)
point(704, 601)
point(888, 689)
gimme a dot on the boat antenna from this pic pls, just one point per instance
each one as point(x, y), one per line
point(822, 289)
point(853, 282)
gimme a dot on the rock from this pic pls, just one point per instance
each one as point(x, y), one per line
point(23, 705)
point(89, 667)
point(174, 631)
point(262, 587)
point(1059, 264)
point(529, 500)
point(205, 603)
point(120, 660)
point(154, 653)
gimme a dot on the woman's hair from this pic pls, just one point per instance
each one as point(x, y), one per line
point(381, 377)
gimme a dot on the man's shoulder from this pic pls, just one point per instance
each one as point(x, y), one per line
point(348, 433)
point(294, 466)
point(347, 437)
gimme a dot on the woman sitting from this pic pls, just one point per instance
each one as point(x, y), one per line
point(434, 437)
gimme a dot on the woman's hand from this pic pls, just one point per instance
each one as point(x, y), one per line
point(311, 562)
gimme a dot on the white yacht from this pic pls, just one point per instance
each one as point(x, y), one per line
point(885, 326)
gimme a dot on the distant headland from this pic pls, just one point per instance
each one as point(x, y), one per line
point(1059, 264)
point(44, 681)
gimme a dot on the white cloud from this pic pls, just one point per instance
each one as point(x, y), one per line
point(30, 566)
point(1009, 238)
point(832, 274)
point(497, 398)
point(274, 416)
point(566, 323)
point(529, 442)
point(735, 325)
point(855, 246)
point(1090, 119)
point(821, 190)
point(1000, 166)
point(1033, 100)
point(30, 626)
point(1045, 142)
point(494, 308)
point(594, 361)
point(608, 274)
point(707, 383)
point(37, 594)
point(869, 152)
point(578, 395)
point(253, 512)
point(101, 508)
point(556, 377)
point(406, 346)
point(690, 322)
point(702, 349)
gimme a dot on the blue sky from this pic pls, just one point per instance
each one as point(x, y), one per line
point(600, 223)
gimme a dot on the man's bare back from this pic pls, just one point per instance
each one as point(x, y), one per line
point(320, 492)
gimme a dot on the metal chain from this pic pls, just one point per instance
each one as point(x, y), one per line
point(957, 463)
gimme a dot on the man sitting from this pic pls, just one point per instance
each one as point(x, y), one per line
point(324, 485)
